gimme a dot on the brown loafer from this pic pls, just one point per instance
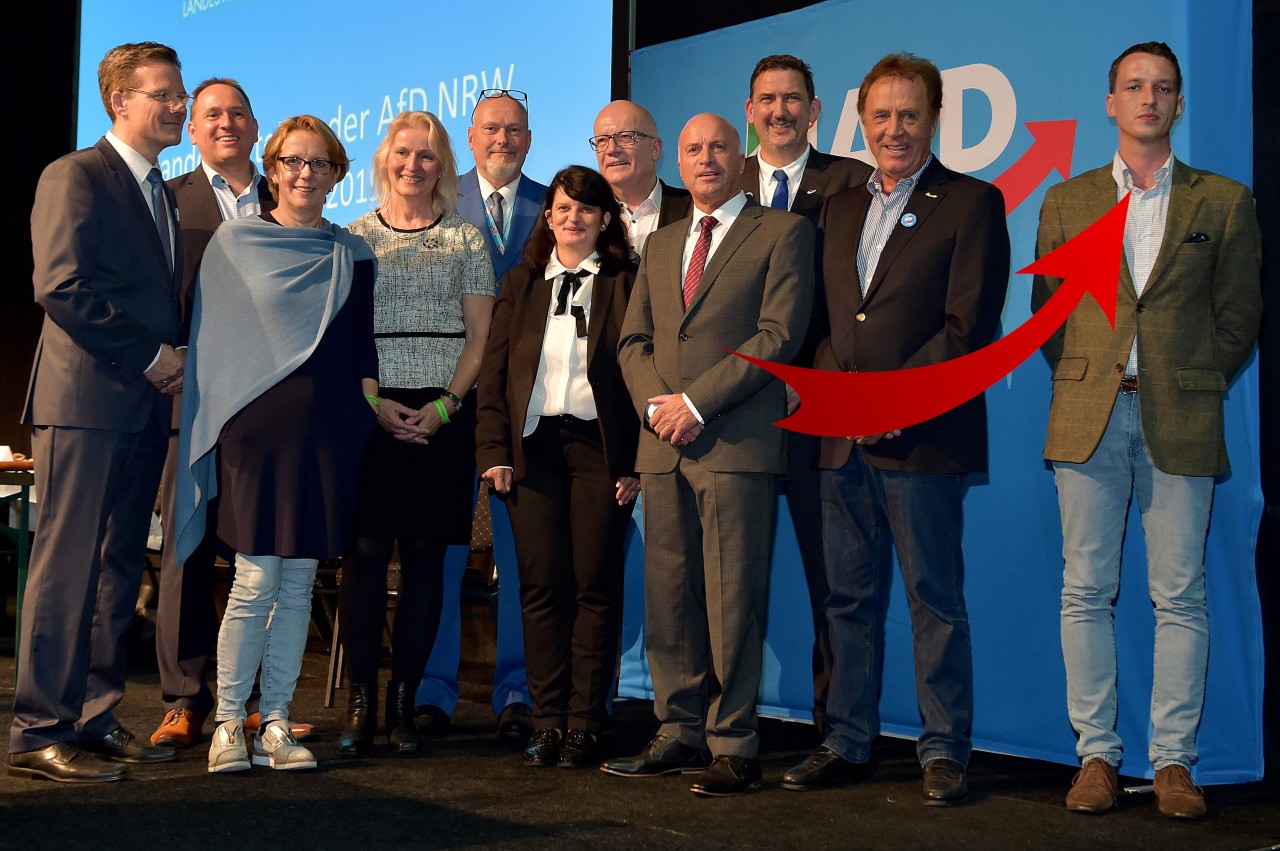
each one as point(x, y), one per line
point(297, 728)
point(1094, 789)
point(181, 728)
point(1176, 795)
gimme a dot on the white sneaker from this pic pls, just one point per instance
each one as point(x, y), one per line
point(228, 752)
point(275, 746)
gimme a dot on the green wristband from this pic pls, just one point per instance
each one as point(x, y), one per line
point(373, 400)
point(444, 413)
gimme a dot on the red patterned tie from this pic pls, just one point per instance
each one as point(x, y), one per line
point(698, 261)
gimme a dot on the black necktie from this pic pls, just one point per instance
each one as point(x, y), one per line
point(569, 280)
point(160, 210)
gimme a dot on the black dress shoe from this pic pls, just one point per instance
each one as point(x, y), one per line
point(664, 755)
point(123, 746)
point(945, 783)
point(822, 769)
point(543, 747)
point(727, 776)
point(64, 762)
point(578, 750)
point(515, 723)
point(356, 738)
point(431, 721)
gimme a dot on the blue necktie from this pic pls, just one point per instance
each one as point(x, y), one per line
point(160, 210)
point(779, 201)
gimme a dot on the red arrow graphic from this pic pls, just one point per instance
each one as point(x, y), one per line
point(1052, 149)
point(840, 404)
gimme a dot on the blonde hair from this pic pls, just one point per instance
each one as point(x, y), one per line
point(444, 198)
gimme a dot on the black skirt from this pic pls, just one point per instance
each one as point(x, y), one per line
point(409, 490)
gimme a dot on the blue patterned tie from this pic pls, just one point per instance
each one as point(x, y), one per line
point(160, 210)
point(779, 201)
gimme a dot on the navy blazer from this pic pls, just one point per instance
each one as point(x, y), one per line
point(528, 204)
point(109, 295)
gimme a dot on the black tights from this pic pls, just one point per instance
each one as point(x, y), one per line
point(362, 607)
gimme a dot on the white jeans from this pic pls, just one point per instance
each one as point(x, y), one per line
point(266, 623)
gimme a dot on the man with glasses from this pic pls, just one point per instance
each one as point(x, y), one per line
point(788, 173)
point(104, 242)
point(225, 185)
point(628, 147)
point(503, 203)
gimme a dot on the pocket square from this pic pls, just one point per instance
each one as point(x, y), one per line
point(1197, 237)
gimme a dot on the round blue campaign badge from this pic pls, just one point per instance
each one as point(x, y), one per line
point(908, 220)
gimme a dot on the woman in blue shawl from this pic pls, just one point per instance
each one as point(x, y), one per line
point(275, 420)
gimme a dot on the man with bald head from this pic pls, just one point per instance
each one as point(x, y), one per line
point(732, 277)
point(503, 202)
point(628, 148)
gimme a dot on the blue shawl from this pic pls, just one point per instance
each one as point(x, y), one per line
point(264, 297)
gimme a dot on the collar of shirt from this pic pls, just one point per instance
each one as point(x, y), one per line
point(137, 163)
point(794, 171)
point(231, 205)
point(725, 214)
point(875, 183)
point(1124, 178)
point(555, 268)
point(507, 192)
point(650, 206)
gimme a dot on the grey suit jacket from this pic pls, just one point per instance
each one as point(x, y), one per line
point(754, 298)
point(109, 297)
point(1196, 322)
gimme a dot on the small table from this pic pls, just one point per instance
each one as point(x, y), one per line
point(20, 474)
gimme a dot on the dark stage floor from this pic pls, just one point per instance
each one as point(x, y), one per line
point(470, 791)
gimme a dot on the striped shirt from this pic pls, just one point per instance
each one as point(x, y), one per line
point(1143, 228)
point(882, 215)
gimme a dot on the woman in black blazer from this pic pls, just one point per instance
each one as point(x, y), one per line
point(557, 435)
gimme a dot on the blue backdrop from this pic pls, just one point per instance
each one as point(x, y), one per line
point(1023, 113)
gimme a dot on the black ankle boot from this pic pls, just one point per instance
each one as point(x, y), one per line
point(402, 734)
point(362, 721)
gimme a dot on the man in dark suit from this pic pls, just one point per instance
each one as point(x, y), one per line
point(103, 235)
point(225, 186)
point(504, 203)
point(787, 173)
point(628, 148)
point(1188, 309)
point(734, 276)
point(915, 266)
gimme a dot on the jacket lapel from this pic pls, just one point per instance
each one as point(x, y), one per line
point(813, 185)
point(1184, 205)
point(924, 200)
point(743, 226)
point(601, 299)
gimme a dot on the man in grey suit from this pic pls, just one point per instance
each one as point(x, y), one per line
point(734, 276)
point(788, 173)
point(103, 236)
point(1188, 308)
point(628, 148)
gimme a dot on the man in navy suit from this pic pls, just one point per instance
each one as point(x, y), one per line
point(915, 266)
point(504, 204)
point(104, 243)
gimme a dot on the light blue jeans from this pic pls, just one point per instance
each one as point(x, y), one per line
point(266, 623)
point(1094, 498)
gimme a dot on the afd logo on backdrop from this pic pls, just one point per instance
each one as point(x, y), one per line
point(1052, 141)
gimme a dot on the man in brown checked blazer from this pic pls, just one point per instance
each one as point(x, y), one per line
point(103, 239)
point(734, 276)
point(1187, 314)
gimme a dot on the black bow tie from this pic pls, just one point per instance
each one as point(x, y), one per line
point(568, 279)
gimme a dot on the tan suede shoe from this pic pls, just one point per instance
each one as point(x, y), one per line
point(1176, 795)
point(1094, 789)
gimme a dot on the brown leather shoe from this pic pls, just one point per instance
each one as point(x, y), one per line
point(1094, 789)
point(297, 728)
point(1176, 795)
point(181, 728)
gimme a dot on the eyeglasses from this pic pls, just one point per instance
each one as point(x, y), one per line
point(625, 139)
point(169, 99)
point(514, 94)
point(296, 164)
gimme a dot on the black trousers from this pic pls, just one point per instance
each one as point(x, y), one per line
point(570, 546)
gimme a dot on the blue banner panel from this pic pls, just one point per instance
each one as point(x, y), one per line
point(1024, 90)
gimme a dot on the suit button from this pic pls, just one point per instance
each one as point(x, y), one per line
point(1141, 307)
point(861, 317)
point(1120, 367)
point(684, 338)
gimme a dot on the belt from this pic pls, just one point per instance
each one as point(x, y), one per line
point(1129, 384)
